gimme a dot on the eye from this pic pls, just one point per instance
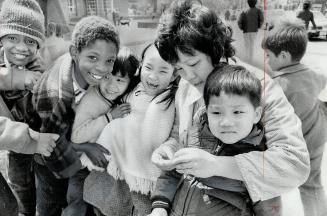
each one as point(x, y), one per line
point(30, 42)
point(120, 80)
point(178, 68)
point(12, 38)
point(216, 113)
point(192, 65)
point(238, 112)
point(92, 58)
point(147, 67)
point(111, 61)
point(164, 72)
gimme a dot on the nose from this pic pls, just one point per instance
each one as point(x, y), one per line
point(103, 68)
point(21, 46)
point(152, 76)
point(226, 122)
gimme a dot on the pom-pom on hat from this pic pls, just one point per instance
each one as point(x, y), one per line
point(23, 17)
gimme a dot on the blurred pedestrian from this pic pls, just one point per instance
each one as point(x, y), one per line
point(227, 15)
point(306, 15)
point(249, 22)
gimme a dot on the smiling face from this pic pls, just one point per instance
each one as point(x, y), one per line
point(231, 117)
point(194, 68)
point(19, 49)
point(114, 86)
point(96, 60)
point(156, 74)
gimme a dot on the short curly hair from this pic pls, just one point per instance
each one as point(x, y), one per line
point(188, 26)
point(91, 28)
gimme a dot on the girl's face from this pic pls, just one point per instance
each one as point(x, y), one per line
point(114, 86)
point(156, 74)
point(96, 60)
point(194, 68)
point(19, 49)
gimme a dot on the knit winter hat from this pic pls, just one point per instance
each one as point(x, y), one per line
point(91, 28)
point(23, 17)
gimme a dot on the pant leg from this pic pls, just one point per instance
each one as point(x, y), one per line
point(142, 204)
point(76, 205)
point(22, 181)
point(8, 203)
point(50, 192)
point(249, 40)
point(271, 207)
point(312, 191)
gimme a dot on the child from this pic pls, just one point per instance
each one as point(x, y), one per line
point(285, 46)
point(21, 36)
point(100, 105)
point(228, 125)
point(193, 38)
point(95, 44)
point(132, 139)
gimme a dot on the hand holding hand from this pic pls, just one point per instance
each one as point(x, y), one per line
point(120, 110)
point(162, 158)
point(95, 152)
point(158, 212)
point(46, 143)
point(194, 161)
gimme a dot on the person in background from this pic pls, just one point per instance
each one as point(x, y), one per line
point(250, 21)
point(306, 15)
point(285, 46)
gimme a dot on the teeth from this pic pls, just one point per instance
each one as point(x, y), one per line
point(152, 85)
point(95, 76)
point(20, 56)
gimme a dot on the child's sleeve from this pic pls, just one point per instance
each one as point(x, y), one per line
point(166, 188)
point(12, 79)
point(90, 118)
point(17, 137)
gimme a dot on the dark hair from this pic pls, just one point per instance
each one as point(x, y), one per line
point(126, 64)
point(287, 35)
point(92, 28)
point(172, 88)
point(252, 3)
point(188, 26)
point(232, 79)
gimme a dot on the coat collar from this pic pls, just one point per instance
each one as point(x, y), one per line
point(298, 67)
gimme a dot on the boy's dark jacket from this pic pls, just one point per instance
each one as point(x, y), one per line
point(19, 102)
point(54, 99)
point(229, 190)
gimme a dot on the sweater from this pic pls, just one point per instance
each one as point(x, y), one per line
point(131, 140)
point(54, 101)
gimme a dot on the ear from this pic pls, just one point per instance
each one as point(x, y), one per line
point(73, 52)
point(285, 54)
point(257, 114)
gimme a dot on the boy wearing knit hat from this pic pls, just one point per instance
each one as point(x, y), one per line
point(21, 34)
point(95, 44)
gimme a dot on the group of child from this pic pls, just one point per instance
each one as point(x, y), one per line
point(177, 133)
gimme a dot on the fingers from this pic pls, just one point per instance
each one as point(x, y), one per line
point(102, 149)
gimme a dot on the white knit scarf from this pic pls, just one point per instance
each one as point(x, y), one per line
point(131, 140)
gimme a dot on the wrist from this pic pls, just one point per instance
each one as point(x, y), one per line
point(109, 117)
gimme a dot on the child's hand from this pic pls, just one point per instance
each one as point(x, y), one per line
point(194, 161)
point(95, 152)
point(158, 212)
point(162, 158)
point(86, 162)
point(31, 77)
point(46, 143)
point(120, 110)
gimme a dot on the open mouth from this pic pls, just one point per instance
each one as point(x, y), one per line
point(94, 76)
point(19, 56)
point(152, 85)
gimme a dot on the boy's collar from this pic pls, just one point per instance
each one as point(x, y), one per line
point(293, 68)
point(78, 77)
